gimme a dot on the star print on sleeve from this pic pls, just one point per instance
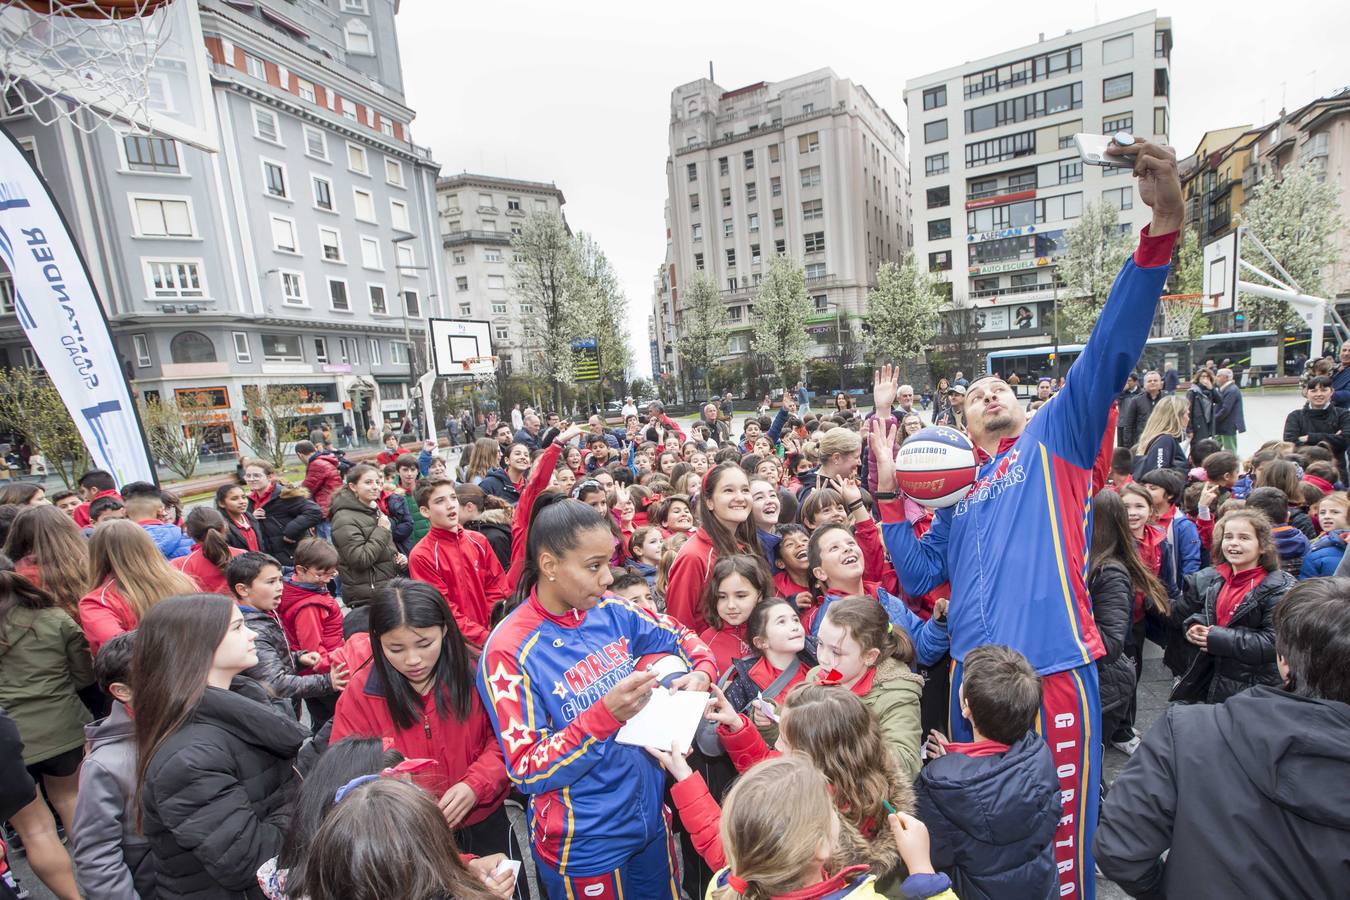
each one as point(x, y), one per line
point(516, 735)
point(559, 689)
point(503, 684)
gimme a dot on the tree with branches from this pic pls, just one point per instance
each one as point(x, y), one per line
point(903, 310)
point(782, 306)
point(173, 430)
point(702, 325)
point(32, 407)
point(545, 277)
point(1095, 249)
point(273, 409)
point(1296, 217)
point(603, 307)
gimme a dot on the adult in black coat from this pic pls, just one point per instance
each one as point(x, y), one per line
point(1134, 414)
point(1239, 655)
point(1318, 421)
point(1246, 798)
point(1204, 402)
point(284, 512)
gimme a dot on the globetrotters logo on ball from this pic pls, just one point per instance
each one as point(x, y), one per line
point(936, 466)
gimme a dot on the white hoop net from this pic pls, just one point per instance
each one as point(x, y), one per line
point(82, 55)
point(1179, 312)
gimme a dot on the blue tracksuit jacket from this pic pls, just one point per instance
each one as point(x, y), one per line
point(1015, 548)
point(594, 803)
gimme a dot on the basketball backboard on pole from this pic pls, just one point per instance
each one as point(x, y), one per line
point(1219, 291)
point(462, 347)
point(1224, 264)
point(140, 64)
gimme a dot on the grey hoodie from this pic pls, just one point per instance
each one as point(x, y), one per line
point(112, 861)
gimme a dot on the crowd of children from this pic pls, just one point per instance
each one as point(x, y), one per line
point(222, 704)
point(389, 679)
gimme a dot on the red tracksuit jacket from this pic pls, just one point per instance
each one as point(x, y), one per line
point(464, 751)
point(462, 566)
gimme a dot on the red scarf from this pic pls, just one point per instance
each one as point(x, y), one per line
point(1236, 586)
point(260, 499)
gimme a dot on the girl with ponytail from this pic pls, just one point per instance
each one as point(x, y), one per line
point(837, 568)
point(207, 562)
point(862, 651)
point(559, 677)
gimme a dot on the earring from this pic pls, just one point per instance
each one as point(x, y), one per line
point(551, 578)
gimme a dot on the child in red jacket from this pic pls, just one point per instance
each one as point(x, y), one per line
point(457, 562)
point(311, 617)
point(416, 691)
point(734, 586)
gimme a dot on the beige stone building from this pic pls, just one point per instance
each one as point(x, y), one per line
point(997, 179)
point(478, 216)
point(811, 167)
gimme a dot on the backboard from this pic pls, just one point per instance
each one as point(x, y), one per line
point(138, 63)
point(1221, 272)
point(462, 347)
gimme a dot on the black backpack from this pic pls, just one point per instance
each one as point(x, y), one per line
point(340, 460)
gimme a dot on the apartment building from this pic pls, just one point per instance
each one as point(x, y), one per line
point(301, 254)
point(1224, 172)
point(811, 167)
point(997, 179)
point(479, 214)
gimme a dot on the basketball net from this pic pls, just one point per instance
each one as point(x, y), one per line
point(105, 49)
point(1178, 313)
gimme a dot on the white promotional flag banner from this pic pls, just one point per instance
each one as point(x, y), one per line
point(59, 311)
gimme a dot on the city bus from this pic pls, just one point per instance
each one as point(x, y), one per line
point(1034, 363)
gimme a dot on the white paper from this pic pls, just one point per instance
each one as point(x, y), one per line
point(507, 865)
point(667, 719)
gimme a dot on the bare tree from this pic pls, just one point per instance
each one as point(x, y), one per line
point(273, 409)
point(703, 320)
point(545, 276)
point(32, 407)
point(173, 429)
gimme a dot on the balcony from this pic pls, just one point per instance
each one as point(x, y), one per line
point(1251, 177)
point(455, 238)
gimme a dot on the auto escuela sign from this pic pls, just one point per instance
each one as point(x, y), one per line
point(55, 302)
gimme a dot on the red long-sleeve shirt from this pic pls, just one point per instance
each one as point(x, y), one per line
point(461, 565)
point(688, 574)
point(520, 521)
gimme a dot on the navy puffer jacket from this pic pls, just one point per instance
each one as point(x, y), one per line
point(991, 821)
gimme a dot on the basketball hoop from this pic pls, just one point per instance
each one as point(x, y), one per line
point(1179, 311)
point(479, 366)
point(121, 61)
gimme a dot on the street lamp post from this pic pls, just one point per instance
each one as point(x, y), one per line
point(414, 383)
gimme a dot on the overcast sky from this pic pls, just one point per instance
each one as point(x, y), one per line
point(579, 93)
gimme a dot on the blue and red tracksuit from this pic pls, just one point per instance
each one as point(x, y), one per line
point(598, 826)
point(1015, 549)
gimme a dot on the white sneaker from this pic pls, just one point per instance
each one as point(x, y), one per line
point(1127, 747)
